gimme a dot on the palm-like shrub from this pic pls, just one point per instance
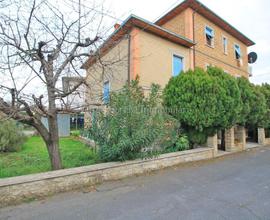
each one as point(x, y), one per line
point(134, 125)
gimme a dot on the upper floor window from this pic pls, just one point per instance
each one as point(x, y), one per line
point(225, 45)
point(177, 65)
point(209, 36)
point(237, 51)
point(106, 92)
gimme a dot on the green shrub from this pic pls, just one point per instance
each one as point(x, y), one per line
point(181, 144)
point(192, 96)
point(133, 125)
point(228, 98)
point(76, 133)
point(11, 136)
point(258, 116)
point(197, 137)
point(203, 102)
point(255, 104)
point(265, 107)
point(246, 93)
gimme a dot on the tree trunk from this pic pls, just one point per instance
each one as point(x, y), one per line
point(53, 141)
point(54, 154)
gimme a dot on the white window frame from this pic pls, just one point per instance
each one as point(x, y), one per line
point(225, 50)
point(213, 39)
point(235, 44)
point(183, 60)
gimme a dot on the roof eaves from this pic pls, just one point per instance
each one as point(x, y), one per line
point(187, 3)
point(208, 9)
point(169, 12)
point(107, 40)
point(162, 29)
point(148, 24)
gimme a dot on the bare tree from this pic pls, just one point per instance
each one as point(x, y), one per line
point(41, 42)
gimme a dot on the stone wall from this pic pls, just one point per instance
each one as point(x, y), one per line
point(261, 136)
point(229, 140)
point(262, 140)
point(240, 138)
point(24, 188)
point(235, 140)
point(212, 142)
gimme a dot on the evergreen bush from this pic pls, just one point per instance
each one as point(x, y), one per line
point(11, 136)
point(203, 102)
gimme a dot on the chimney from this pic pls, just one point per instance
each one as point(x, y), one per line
point(116, 26)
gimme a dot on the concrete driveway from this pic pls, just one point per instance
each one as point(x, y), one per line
point(232, 187)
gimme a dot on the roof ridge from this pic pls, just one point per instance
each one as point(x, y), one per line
point(190, 3)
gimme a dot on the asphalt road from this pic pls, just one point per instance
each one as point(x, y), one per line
point(232, 187)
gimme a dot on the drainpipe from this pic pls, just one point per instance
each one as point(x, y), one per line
point(194, 51)
point(129, 57)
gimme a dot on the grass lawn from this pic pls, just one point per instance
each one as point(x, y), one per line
point(33, 158)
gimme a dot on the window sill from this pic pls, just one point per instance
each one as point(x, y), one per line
point(213, 47)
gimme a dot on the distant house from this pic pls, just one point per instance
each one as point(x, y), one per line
point(63, 121)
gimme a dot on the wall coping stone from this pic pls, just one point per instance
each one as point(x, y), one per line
point(91, 168)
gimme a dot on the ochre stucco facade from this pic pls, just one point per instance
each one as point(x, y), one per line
point(140, 54)
point(192, 25)
point(153, 58)
point(146, 49)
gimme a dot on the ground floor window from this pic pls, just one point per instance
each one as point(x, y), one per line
point(106, 92)
point(177, 65)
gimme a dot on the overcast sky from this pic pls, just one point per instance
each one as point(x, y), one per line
point(251, 17)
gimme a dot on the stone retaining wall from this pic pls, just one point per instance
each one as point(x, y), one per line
point(262, 138)
point(17, 189)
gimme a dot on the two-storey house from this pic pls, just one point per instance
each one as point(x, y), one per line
point(188, 36)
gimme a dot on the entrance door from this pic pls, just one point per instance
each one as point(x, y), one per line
point(221, 140)
point(252, 134)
